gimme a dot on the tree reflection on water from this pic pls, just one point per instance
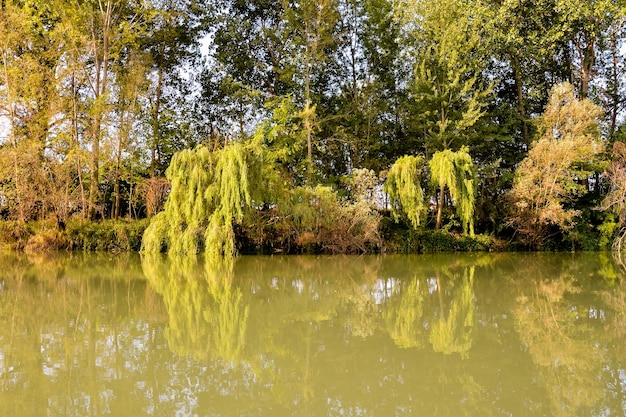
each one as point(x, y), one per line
point(504, 334)
point(207, 314)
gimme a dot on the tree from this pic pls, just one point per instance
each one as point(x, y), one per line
point(102, 33)
point(557, 167)
point(520, 39)
point(131, 87)
point(583, 24)
point(455, 171)
point(450, 54)
point(615, 200)
point(170, 38)
point(404, 189)
point(313, 23)
point(613, 71)
point(210, 191)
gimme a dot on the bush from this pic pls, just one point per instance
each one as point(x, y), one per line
point(314, 220)
point(14, 235)
point(401, 238)
point(46, 239)
point(107, 235)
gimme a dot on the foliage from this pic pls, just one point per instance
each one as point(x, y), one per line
point(615, 200)
point(97, 96)
point(403, 238)
point(557, 167)
point(363, 184)
point(210, 191)
point(317, 220)
point(108, 235)
point(455, 170)
point(45, 236)
point(447, 87)
point(15, 234)
point(154, 192)
point(404, 189)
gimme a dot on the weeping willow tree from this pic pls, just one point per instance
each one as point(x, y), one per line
point(209, 192)
point(455, 171)
point(404, 189)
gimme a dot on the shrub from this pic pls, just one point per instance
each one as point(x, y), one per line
point(402, 238)
point(107, 235)
point(14, 235)
point(46, 238)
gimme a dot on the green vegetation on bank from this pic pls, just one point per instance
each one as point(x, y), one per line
point(107, 235)
point(461, 118)
point(122, 235)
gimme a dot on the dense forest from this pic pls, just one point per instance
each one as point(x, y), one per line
point(317, 125)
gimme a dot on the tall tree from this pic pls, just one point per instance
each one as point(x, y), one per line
point(102, 32)
point(171, 39)
point(584, 24)
point(313, 23)
point(554, 174)
point(449, 49)
point(252, 59)
point(131, 87)
point(30, 55)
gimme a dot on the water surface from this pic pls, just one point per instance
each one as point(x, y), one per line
point(439, 335)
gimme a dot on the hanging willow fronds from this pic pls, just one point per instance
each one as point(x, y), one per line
point(210, 191)
point(404, 188)
point(456, 171)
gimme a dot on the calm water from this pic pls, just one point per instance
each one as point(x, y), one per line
point(472, 335)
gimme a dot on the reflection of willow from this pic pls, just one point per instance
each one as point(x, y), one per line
point(207, 314)
point(403, 318)
point(413, 310)
point(453, 334)
point(560, 341)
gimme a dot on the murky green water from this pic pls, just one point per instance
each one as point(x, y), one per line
point(452, 335)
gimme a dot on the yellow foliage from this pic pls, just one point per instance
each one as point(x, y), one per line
point(556, 166)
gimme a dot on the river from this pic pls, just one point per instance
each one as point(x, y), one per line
point(426, 335)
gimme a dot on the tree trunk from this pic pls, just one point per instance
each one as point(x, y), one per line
point(79, 168)
point(613, 88)
point(101, 63)
point(156, 123)
point(307, 108)
point(116, 186)
point(442, 196)
point(95, 166)
point(586, 54)
point(520, 97)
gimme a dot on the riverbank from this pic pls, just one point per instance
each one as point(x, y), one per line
point(126, 235)
point(106, 235)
